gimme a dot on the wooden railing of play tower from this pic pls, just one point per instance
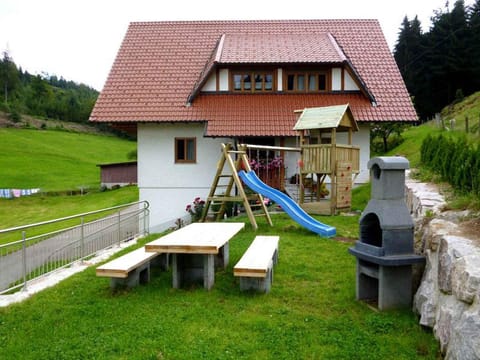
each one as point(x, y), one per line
point(321, 159)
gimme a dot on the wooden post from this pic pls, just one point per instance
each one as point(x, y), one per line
point(333, 171)
point(282, 168)
point(466, 124)
point(301, 195)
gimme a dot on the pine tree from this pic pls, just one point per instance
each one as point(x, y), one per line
point(9, 77)
point(439, 65)
point(447, 59)
point(474, 45)
point(409, 54)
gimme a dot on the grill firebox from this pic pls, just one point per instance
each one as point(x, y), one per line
point(385, 252)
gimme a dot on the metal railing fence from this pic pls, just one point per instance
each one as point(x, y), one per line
point(31, 257)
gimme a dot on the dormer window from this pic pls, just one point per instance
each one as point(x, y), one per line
point(252, 81)
point(307, 81)
point(281, 63)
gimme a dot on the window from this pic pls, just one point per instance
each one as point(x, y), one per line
point(252, 81)
point(185, 150)
point(306, 81)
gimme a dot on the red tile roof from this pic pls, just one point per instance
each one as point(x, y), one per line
point(160, 63)
point(279, 48)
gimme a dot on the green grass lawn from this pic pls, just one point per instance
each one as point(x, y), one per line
point(56, 160)
point(310, 313)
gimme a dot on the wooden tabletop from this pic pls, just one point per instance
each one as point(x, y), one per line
point(196, 238)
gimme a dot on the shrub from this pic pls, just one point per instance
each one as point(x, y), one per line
point(15, 116)
point(455, 160)
point(132, 155)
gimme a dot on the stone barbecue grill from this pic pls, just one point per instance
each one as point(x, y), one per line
point(385, 251)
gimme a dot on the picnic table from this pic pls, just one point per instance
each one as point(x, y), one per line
point(196, 250)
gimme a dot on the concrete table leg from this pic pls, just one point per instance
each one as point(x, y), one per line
point(222, 258)
point(208, 271)
point(226, 255)
point(175, 272)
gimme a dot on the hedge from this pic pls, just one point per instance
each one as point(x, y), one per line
point(455, 159)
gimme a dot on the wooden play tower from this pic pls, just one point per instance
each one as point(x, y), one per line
point(323, 158)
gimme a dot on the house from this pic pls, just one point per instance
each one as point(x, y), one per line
point(118, 174)
point(185, 87)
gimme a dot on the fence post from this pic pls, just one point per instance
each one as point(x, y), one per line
point(24, 260)
point(82, 237)
point(145, 220)
point(466, 124)
point(119, 228)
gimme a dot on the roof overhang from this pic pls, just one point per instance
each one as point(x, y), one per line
point(327, 117)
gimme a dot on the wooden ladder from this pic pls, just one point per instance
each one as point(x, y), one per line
point(234, 166)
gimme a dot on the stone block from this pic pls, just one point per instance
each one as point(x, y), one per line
point(466, 278)
point(451, 249)
point(448, 314)
point(140, 275)
point(261, 284)
point(464, 339)
point(425, 300)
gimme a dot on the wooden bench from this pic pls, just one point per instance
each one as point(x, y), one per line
point(130, 269)
point(255, 268)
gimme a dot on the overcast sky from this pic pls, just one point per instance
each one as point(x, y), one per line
point(79, 39)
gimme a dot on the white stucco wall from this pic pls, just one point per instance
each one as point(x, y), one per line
point(362, 139)
point(291, 157)
point(349, 84)
point(167, 186)
point(210, 84)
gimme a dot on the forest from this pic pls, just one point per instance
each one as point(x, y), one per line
point(442, 65)
point(45, 96)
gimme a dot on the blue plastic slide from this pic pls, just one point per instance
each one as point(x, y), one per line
point(287, 203)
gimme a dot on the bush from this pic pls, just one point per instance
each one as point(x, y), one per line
point(132, 155)
point(15, 116)
point(455, 160)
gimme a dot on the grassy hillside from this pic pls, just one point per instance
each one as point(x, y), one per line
point(56, 160)
point(468, 108)
point(413, 136)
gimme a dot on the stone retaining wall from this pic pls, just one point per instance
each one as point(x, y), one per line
point(448, 297)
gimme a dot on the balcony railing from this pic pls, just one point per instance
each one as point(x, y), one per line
point(317, 159)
